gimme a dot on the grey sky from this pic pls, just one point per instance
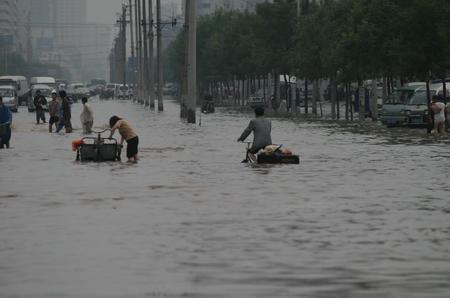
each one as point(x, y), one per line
point(103, 11)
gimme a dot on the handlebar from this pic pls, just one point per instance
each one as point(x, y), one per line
point(4, 124)
point(100, 132)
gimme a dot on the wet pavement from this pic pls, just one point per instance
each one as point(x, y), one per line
point(365, 214)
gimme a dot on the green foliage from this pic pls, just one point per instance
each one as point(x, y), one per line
point(350, 39)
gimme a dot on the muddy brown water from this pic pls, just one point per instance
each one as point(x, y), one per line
point(365, 214)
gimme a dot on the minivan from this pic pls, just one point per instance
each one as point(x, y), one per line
point(417, 107)
point(394, 107)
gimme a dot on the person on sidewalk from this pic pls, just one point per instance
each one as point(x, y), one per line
point(5, 125)
point(438, 109)
point(65, 113)
point(261, 128)
point(53, 110)
point(127, 133)
point(39, 101)
point(86, 117)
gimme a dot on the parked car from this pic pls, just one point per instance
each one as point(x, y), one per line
point(108, 92)
point(10, 98)
point(45, 91)
point(21, 85)
point(394, 108)
point(257, 100)
point(170, 89)
point(76, 91)
point(417, 107)
point(123, 92)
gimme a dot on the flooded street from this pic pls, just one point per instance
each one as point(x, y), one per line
point(363, 215)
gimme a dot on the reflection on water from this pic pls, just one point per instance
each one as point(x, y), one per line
point(365, 214)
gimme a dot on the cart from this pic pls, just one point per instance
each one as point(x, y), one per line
point(99, 149)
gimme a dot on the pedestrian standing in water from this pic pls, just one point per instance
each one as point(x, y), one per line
point(39, 101)
point(53, 110)
point(127, 134)
point(86, 117)
point(438, 109)
point(65, 113)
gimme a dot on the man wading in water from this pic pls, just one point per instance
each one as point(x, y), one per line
point(127, 133)
point(261, 128)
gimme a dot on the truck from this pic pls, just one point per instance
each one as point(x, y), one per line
point(21, 85)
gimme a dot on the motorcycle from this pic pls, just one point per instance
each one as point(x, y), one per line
point(272, 154)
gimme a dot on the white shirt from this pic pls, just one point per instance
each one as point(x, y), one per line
point(439, 113)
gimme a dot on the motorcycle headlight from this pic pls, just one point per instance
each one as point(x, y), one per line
point(425, 112)
point(407, 112)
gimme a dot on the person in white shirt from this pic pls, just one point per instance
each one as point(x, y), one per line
point(439, 115)
point(86, 117)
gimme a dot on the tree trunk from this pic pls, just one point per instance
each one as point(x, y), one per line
point(316, 96)
point(234, 91)
point(333, 94)
point(346, 94)
point(373, 101)
point(306, 96)
point(362, 101)
point(430, 122)
point(338, 108)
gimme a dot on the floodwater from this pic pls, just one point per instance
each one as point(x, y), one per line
point(365, 214)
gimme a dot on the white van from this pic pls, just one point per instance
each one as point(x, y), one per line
point(9, 95)
point(45, 91)
point(21, 85)
point(49, 81)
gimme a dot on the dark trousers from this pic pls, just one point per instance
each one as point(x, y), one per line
point(64, 123)
point(40, 115)
point(5, 135)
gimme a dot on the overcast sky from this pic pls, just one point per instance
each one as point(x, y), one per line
point(103, 11)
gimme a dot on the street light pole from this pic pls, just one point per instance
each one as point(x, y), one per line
point(133, 77)
point(144, 25)
point(151, 71)
point(192, 63)
point(159, 55)
point(139, 40)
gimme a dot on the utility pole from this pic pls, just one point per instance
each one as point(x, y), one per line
point(122, 43)
point(139, 48)
point(192, 62)
point(151, 72)
point(138, 57)
point(159, 56)
point(184, 82)
point(133, 77)
point(144, 26)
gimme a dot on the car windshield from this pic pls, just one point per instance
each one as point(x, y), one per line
point(400, 97)
point(123, 88)
point(6, 93)
point(420, 97)
point(110, 86)
point(45, 92)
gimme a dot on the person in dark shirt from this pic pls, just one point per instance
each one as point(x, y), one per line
point(5, 124)
point(39, 102)
point(261, 128)
point(65, 113)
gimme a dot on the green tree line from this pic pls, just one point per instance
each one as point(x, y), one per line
point(344, 40)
